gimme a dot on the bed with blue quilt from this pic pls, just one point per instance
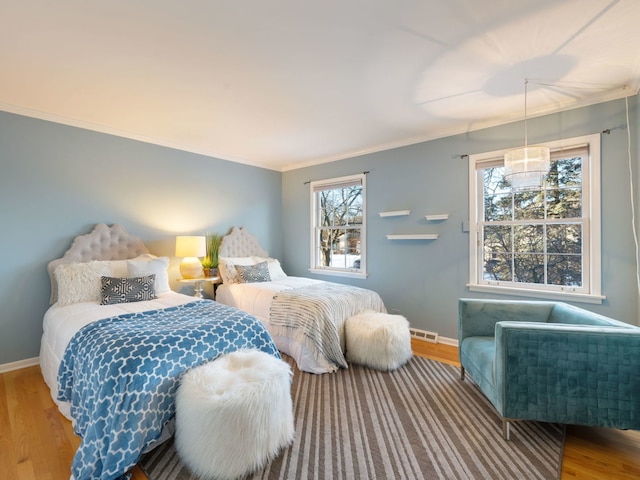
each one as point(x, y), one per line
point(113, 366)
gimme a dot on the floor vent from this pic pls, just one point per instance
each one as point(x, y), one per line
point(424, 335)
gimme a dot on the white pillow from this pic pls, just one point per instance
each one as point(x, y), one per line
point(146, 265)
point(275, 269)
point(118, 268)
point(226, 267)
point(80, 282)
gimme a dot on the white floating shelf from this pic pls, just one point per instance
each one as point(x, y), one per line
point(396, 213)
point(414, 236)
point(439, 216)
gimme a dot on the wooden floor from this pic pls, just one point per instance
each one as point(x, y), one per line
point(37, 443)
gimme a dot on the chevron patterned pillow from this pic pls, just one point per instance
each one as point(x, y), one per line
point(253, 273)
point(125, 290)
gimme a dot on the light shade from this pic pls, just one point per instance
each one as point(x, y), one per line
point(190, 247)
point(526, 167)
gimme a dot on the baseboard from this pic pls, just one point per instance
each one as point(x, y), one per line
point(431, 337)
point(448, 341)
point(9, 367)
point(424, 335)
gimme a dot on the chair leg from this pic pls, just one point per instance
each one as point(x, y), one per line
point(505, 429)
point(461, 373)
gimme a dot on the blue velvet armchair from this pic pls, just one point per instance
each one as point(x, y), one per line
point(551, 362)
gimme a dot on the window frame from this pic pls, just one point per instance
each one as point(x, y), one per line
point(328, 184)
point(591, 220)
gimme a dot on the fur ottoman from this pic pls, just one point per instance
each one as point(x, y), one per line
point(378, 340)
point(234, 415)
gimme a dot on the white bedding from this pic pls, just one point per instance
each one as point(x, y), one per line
point(241, 248)
point(257, 298)
point(61, 323)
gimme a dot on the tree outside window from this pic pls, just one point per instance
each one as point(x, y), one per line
point(338, 224)
point(542, 241)
point(534, 235)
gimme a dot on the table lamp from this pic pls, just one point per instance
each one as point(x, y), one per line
point(190, 247)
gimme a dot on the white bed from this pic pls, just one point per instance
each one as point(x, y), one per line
point(240, 248)
point(166, 322)
point(60, 323)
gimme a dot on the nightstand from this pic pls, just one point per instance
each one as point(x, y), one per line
point(197, 284)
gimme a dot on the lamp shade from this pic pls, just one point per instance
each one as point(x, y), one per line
point(190, 246)
point(526, 167)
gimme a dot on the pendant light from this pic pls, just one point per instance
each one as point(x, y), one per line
point(526, 167)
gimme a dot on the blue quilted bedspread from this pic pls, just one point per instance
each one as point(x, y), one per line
point(121, 374)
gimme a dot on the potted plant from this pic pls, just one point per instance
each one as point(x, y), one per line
point(210, 260)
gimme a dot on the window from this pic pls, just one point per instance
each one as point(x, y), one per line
point(338, 226)
point(542, 241)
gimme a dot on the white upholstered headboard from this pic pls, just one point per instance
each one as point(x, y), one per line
point(240, 243)
point(102, 243)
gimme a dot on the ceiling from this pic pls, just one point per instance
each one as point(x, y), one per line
point(287, 83)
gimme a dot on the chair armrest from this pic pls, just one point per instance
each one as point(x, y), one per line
point(479, 317)
point(577, 374)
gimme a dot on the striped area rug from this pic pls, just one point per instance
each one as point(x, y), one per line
point(419, 422)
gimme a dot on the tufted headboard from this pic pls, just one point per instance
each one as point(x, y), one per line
point(103, 243)
point(240, 243)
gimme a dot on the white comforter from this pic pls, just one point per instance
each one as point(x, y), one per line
point(257, 298)
point(61, 323)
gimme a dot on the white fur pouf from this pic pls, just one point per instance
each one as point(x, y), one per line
point(234, 414)
point(378, 340)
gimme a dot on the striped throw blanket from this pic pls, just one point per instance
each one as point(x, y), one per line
point(314, 315)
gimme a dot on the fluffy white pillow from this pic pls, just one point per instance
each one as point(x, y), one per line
point(146, 265)
point(226, 267)
point(80, 282)
point(275, 269)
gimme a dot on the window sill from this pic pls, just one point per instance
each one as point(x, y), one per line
point(542, 294)
point(337, 273)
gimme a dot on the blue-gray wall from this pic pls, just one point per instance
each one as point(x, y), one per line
point(424, 279)
point(57, 182)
